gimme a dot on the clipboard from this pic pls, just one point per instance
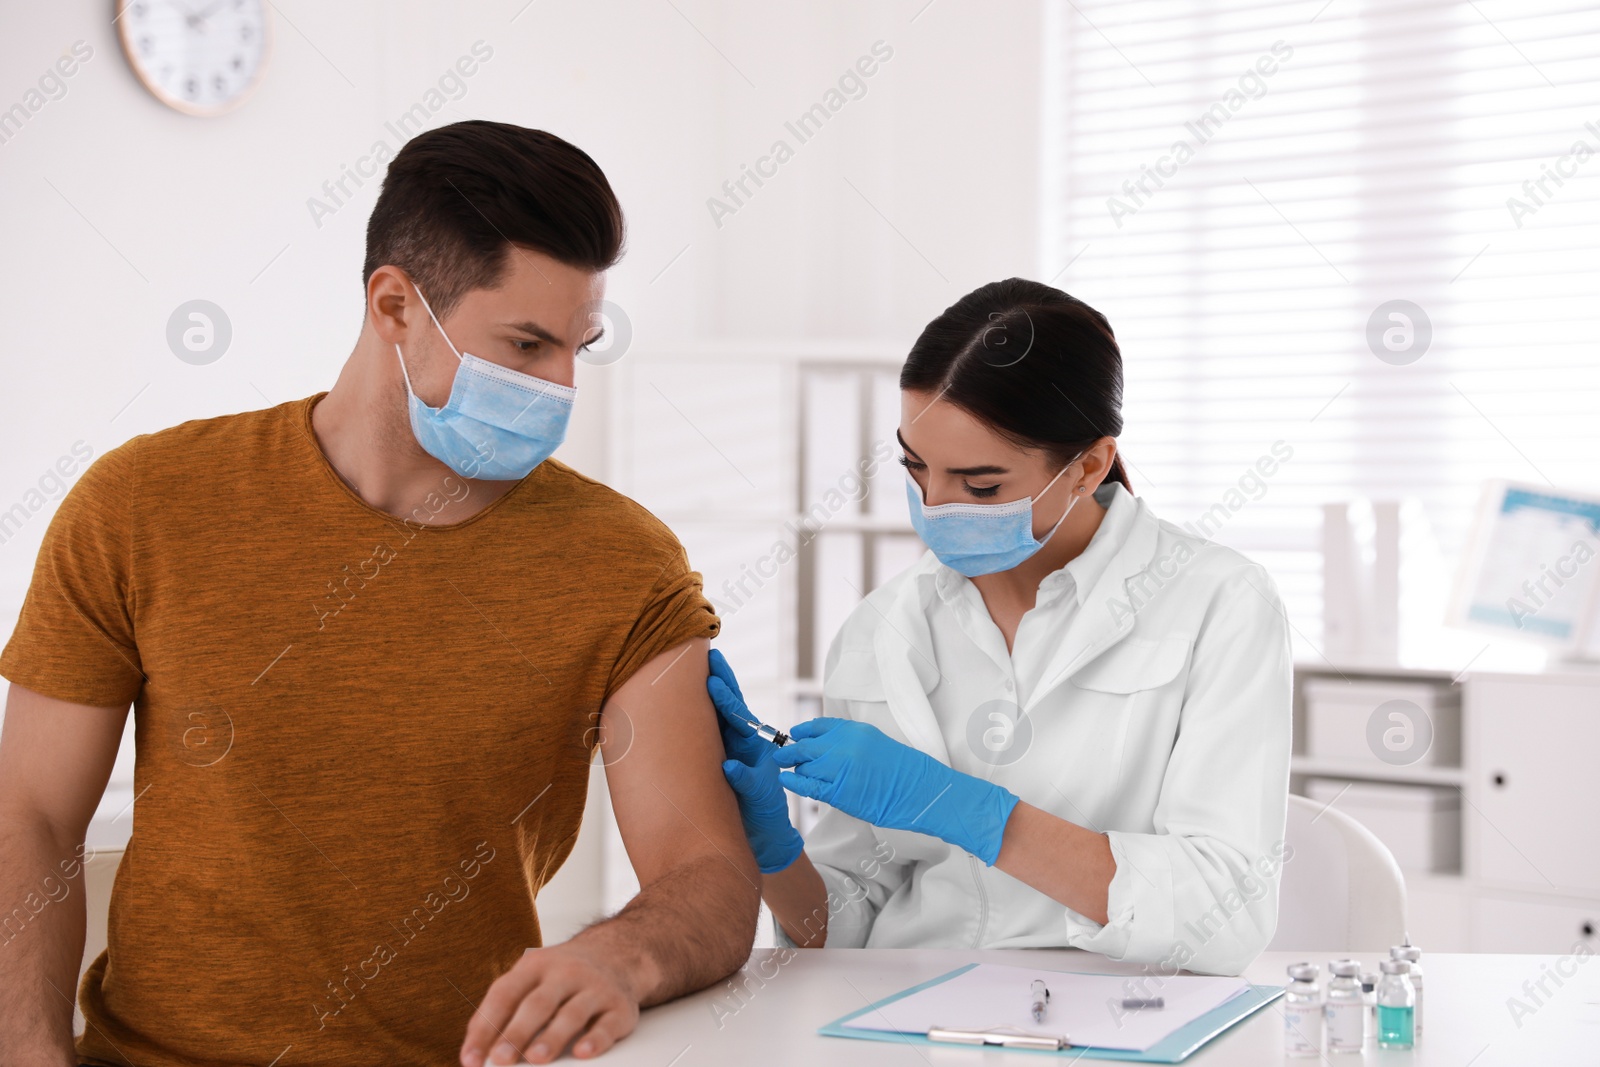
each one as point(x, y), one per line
point(1175, 1048)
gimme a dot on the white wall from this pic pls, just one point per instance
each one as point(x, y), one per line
point(117, 209)
point(114, 209)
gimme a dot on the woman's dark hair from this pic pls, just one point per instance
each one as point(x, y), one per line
point(456, 199)
point(1041, 367)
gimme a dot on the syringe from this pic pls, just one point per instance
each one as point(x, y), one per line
point(771, 733)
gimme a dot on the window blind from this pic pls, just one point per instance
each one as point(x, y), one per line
point(1366, 230)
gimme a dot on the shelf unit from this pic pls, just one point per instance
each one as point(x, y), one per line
point(1351, 770)
point(1304, 765)
point(1530, 872)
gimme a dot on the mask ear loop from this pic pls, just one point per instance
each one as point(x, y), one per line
point(1071, 503)
point(435, 318)
point(1057, 478)
point(398, 355)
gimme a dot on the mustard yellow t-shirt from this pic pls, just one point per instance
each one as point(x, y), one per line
point(362, 743)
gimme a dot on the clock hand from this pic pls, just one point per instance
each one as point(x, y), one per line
point(196, 20)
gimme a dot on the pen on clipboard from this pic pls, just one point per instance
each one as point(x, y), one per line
point(1004, 1037)
point(1008, 1036)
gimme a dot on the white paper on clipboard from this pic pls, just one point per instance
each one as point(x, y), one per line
point(1084, 1008)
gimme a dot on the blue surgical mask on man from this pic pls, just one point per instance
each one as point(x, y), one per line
point(498, 424)
point(977, 539)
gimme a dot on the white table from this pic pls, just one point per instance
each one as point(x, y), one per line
point(774, 1025)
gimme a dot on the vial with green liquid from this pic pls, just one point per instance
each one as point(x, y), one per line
point(1397, 1005)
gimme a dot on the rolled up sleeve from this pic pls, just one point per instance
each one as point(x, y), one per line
point(1201, 892)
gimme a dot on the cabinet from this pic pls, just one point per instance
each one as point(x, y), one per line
point(1532, 743)
point(1511, 923)
point(1529, 880)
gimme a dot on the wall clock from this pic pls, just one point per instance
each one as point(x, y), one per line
point(200, 57)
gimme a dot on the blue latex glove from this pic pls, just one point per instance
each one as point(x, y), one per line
point(739, 738)
point(750, 770)
point(862, 771)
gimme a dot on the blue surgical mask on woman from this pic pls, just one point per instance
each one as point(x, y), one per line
point(498, 423)
point(977, 539)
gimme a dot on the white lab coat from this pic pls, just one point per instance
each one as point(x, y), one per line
point(1161, 718)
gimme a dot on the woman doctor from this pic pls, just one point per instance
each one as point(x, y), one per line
point(1068, 724)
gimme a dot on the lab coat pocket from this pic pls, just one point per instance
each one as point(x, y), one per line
point(1134, 665)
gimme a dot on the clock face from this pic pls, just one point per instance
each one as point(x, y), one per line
point(201, 57)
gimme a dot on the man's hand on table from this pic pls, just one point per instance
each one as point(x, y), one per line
point(552, 997)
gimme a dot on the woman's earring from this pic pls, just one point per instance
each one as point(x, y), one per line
point(1083, 488)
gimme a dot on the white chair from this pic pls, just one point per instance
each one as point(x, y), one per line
point(1341, 890)
point(99, 870)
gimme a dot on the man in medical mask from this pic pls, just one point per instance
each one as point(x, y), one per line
point(372, 639)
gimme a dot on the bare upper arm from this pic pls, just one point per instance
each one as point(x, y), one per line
point(663, 758)
point(55, 759)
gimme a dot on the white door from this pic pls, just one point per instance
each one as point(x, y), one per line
point(1532, 790)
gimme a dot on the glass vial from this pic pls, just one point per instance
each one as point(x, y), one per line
point(1369, 994)
point(1412, 955)
point(1302, 1012)
point(1397, 1005)
point(1345, 1010)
